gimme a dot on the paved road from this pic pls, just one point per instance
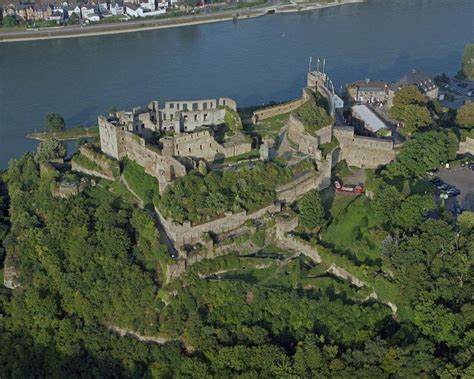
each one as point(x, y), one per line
point(463, 179)
point(138, 24)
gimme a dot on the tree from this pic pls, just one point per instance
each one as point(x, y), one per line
point(386, 201)
point(73, 18)
point(468, 61)
point(50, 149)
point(54, 122)
point(9, 21)
point(410, 214)
point(424, 152)
point(311, 210)
point(313, 116)
point(409, 107)
point(407, 95)
point(466, 221)
point(465, 116)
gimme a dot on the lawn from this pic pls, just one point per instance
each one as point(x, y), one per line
point(333, 202)
point(270, 126)
point(254, 153)
point(353, 231)
point(67, 134)
point(144, 185)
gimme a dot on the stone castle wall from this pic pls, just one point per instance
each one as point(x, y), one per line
point(109, 167)
point(163, 168)
point(86, 171)
point(198, 118)
point(290, 106)
point(203, 145)
point(183, 234)
point(111, 138)
point(292, 191)
point(363, 151)
point(307, 143)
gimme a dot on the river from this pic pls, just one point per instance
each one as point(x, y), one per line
point(254, 61)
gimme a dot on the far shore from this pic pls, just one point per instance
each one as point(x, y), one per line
point(152, 24)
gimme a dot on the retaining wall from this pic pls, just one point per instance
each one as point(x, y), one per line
point(276, 110)
point(363, 151)
point(183, 234)
point(78, 168)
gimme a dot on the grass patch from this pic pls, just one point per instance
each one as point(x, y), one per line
point(270, 126)
point(353, 229)
point(326, 148)
point(67, 134)
point(334, 203)
point(85, 162)
point(342, 169)
point(254, 153)
point(144, 185)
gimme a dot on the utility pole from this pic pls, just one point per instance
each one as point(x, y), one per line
point(310, 61)
point(324, 64)
point(317, 69)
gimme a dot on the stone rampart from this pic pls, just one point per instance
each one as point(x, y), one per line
point(184, 234)
point(466, 147)
point(317, 81)
point(307, 143)
point(110, 168)
point(294, 243)
point(363, 151)
point(276, 110)
point(343, 274)
point(203, 145)
point(163, 168)
point(111, 138)
point(292, 191)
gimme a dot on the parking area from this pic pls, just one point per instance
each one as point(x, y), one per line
point(461, 178)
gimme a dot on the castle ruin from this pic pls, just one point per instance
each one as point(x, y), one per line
point(167, 141)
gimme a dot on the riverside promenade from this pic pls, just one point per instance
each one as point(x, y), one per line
point(142, 24)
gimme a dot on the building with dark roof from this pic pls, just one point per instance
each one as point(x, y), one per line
point(418, 78)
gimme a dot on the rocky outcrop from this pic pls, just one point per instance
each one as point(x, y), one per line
point(343, 274)
point(11, 272)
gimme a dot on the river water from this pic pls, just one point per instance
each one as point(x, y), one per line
point(254, 61)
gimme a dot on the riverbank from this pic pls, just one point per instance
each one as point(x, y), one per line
point(152, 24)
point(67, 134)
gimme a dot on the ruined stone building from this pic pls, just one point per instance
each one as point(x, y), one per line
point(185, 136)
